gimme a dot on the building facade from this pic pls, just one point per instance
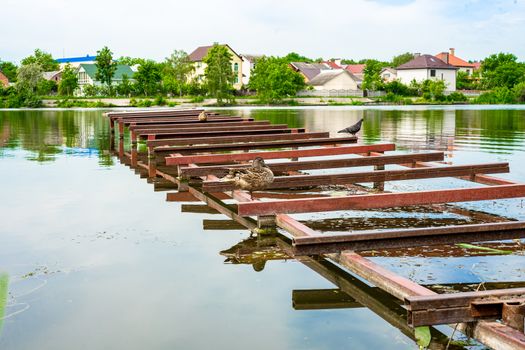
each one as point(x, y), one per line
point(427, 67)
point(198, 55)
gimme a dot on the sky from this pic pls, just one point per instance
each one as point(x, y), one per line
point(354, 29)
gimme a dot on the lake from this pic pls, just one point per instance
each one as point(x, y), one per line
point(93, 257)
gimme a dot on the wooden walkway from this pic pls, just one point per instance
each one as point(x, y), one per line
point(188, 155)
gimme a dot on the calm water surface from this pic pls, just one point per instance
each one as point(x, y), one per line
point(94, 258)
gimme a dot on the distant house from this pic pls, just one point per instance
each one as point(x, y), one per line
point(86, 74)
point(54, 75)
point(309, 70)
point(3, 80)
point(198, 55)
point(75, 61)
point(357, 69)
point(334, 79)
point(248, 64)
point(424, 67)
point(333, 64)
point(453, 60)
point(388, 74)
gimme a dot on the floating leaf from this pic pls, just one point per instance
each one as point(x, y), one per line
point(422, 336)
point(4, 279)
point(487, 249)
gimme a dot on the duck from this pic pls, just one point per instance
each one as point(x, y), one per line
point(353, 129)
point(255, 178)
point(203, 116)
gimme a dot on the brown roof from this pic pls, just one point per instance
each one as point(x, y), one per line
point(309, 70)
point(199, 53)
point(425, 62)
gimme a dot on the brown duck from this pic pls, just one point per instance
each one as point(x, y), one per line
point(258, 177)
point(203, 116)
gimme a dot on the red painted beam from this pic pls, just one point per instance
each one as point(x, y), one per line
point(382, 200)
point(316, 152)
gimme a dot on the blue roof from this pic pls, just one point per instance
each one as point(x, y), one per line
point(86, 58)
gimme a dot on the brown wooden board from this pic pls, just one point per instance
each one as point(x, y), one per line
point(197, 125)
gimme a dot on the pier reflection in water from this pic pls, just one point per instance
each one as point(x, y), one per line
point(85, 244)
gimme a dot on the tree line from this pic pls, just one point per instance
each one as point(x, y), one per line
point(272, 79)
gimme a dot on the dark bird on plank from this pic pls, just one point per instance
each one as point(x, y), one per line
point(258, 177)
point(354, 129)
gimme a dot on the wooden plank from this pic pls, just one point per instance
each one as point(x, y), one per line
point(277, 143)
point(227, 127)
point(196, 125)
point(230, 139)
point(368, 176)
point(247, 156)
point(382, 200)
point(219, 170)
point(149, 112)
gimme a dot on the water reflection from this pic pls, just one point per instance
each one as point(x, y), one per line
point(46, 134)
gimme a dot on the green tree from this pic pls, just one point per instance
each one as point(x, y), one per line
point(106, 67)
point(433, 89)
point(502, 69)
point(9, 69)
point(295, 57)
point(125, 88)
point(372, 79)
point(273, 79)
point(130, 61)
point(402, 59)
point(148, 78)
point(177, 70)
point(46, 87)
point(69, 81)
point(28, 77)
point(44, 59)
point(219, 73)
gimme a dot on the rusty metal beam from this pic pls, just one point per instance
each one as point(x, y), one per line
point(316, 152)
point(227, 127)
point(277, 143)
point(170, 122)
point(221, 133)
point(369, 176)
point(219, 170)
point(381, 200)
point(230, 139)
point(406, 238)
point(197, 125)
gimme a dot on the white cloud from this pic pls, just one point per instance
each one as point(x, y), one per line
point(352, 29)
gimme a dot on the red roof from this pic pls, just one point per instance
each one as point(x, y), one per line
point(454, 60)
point(355, 68)
point(332, 64)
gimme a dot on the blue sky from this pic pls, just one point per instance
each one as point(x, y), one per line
point(337, 28)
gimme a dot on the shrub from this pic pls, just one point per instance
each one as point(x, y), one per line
point(456, 97)
point(499, 95)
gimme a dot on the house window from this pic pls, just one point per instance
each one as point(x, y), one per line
point(432, 72)
point(235, 67)
point(236, 79)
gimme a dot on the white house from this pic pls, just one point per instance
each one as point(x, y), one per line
point(334, 79)
point(248, 64)
point(427, 67)
point(388, 74)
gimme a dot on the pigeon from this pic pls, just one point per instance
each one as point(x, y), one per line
point(354, 129)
